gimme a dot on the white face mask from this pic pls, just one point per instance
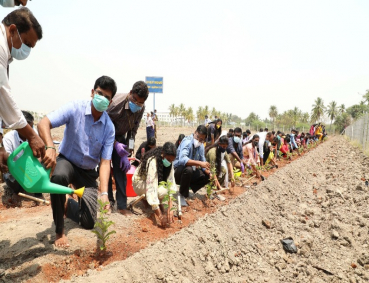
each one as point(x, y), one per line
point(7, 3)
point(196, 143)
point(22, 52)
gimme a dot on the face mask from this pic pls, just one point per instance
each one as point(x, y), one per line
point(196, 143)
point(218, 126)
point(166, 163)
point(21, 53)
point(236, 139)
point(100, 102)
point(256, 143)
point(134, 107)
point(7, 3)
point(221, 149)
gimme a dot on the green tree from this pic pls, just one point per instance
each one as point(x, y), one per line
point(172, 110)
point(332, 111)
point(189, 115)
point(342, 121)
point(318, 110)
point(366, 96)
point(251, 118)
point(296, 115)
point(305, 117)
point(273, 113)
point(341, 109)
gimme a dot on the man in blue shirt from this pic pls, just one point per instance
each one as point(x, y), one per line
point(191, 168)
point(88, 141)
point(235, 151)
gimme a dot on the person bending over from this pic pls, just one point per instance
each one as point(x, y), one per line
point(218, 156)
point(88, 141)
point(144, 147)
point(235, 151)
point(251, 155)
point(191, 168)
point(214, 131)
point(156, 167)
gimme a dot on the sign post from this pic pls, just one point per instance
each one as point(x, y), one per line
point(155, 85)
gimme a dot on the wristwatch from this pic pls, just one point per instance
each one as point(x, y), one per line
point(104, 194)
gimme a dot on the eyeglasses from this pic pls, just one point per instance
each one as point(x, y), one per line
point(100, 93)
point(131, 97)
point(200, 140)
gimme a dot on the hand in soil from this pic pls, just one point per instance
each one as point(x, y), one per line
point(61, 241)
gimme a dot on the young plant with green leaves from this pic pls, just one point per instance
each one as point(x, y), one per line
point(211, 186)
point(168, 199)
point(102, 225)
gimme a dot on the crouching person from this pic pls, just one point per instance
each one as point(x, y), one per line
point(88, 141)
point(191, 168)
point(156, 167)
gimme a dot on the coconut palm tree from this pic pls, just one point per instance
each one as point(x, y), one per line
point(341, 109)
point(296, 115)
point(273, 113)
point(332, 111)
point(318, 110)
point(305, 117)
point(172, 109)
point(189, 115)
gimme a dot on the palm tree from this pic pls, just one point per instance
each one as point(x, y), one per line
point(273, 113)
point(305, 117)
point(296, 114)
point(189, 114)
point(341, 109)
point(332, 111)
point(214, 113)
point(366, 96)
point(182, 110)
point(172, 109)
point(318, 110)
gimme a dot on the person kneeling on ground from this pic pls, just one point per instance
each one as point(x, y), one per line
point(156, 167)
point(270, 150)
point(144, 147)
point(191, 168)
point(218, 156)
point(88, 140)
point(251, 155)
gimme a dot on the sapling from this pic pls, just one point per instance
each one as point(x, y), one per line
point(168, 198)
point(102, 225)
point(211, 186)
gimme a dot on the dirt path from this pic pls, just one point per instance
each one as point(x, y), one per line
point(320, 201)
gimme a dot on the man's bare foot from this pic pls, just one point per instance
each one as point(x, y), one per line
point(125, 212)
point(61, 241)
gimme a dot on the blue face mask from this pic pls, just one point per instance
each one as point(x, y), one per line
point(134, 107)
point(166, 163)
point(21, 53)
point(100, 102)
point(236, 139)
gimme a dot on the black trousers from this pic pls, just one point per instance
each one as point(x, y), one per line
point(186, 177)
point(66, 173)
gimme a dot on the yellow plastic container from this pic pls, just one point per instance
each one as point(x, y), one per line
point(32, 176)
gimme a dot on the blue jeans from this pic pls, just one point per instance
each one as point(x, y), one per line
point(120, 183)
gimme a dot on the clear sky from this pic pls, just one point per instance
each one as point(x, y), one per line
point(238, 56)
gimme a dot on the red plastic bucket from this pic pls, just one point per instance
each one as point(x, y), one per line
point(129, 188)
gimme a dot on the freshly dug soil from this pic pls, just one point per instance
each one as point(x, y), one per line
point(320, 200)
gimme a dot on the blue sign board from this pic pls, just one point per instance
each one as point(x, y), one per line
point(155, 84)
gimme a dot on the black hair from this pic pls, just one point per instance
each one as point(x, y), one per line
point(255, 136)
point(217, 132)
point(273, 132)
point(269, 134)
point(202, 130)
point(266, 129)
point(28, 116)
point(230, 131)
point(168, 149)
point(106, 83)
point(151, 141)
point(279, 132)
point(229, 135)
point(287, 139)
point(248, 131)
point(140, 88)
point(180, 138)
point(275, 140)
point(24, 20)
point(261, 130)
point(238, 130)
point(244, 134)
point(222, 140)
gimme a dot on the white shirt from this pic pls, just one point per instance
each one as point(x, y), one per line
point(9, 111)
point(207, 121)
point(11, 141)
point(149, 122)
point(262, 137)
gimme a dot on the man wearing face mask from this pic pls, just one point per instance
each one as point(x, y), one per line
point(12, 3)
point(20, 32)
point(191, 168)
point(88, 141)
point(234, 149)
point(126, 113)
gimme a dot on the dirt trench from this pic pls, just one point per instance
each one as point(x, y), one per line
point(320, 200)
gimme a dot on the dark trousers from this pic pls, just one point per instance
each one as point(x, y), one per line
point(186, 177)
point(66, 173)
point(120, 183)
point(150, 132)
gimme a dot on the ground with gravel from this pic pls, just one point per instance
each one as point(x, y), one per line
point(320, 201)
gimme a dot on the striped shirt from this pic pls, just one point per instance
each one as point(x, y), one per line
point(125, 121)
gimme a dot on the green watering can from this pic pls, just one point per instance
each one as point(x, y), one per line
point(32, 176)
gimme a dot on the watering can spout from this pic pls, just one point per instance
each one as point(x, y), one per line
point(79, 192)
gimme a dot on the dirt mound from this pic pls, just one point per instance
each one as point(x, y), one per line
point(319, 200)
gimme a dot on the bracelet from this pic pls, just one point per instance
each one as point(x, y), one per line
point(104, 194)
point(46, 147)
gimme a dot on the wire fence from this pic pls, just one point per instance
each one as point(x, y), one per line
point(359, 131)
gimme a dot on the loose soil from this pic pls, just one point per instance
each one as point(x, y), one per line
point(28, 254)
